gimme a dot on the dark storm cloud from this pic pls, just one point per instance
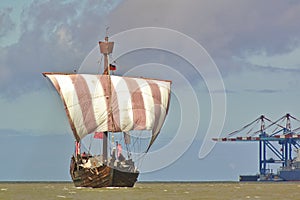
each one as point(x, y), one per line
point(55, 36)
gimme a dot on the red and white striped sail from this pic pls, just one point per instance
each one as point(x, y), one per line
point(97, 103)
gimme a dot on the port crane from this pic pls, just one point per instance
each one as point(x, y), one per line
point(278, 137)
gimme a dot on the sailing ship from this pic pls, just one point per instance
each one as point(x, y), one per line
point(106, 107)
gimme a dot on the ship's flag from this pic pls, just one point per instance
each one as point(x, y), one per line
point(119, 149)
point(77, 148)
point(98, 135)
point(112, 67)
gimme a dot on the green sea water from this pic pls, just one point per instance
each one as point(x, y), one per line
point(169, 190)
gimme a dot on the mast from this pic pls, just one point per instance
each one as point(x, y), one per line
point(106, 65)
point(106, 48)
point(105, 134)
point(84, 111)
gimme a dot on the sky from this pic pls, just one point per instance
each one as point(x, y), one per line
point(229, 60)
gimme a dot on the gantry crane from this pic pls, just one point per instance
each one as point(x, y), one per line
point(277, 137)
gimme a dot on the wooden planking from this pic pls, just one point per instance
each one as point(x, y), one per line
point(103, 176)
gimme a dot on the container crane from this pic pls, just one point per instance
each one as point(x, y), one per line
point(276, 138)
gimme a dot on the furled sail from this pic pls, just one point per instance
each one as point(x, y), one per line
point(112, 103)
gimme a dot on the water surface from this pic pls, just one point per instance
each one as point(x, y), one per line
point(169, 190)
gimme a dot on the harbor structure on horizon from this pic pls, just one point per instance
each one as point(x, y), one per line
point(279, 144)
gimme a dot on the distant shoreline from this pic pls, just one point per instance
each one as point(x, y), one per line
point(154, 182)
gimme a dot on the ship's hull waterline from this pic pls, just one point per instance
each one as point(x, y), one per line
point(102, 176)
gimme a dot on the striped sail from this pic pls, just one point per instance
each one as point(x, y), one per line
point(112, 103)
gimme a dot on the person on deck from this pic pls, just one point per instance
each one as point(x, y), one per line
point(119, 152)
point(113, 157)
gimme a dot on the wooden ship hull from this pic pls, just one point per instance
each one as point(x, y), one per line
point(102, 176)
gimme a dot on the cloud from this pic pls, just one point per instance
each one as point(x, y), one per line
point(55, 36)
point(264, 91)
point(226, 29)
point(286, 61)
point(6, 23)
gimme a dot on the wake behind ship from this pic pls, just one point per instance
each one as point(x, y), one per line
point(114, 112)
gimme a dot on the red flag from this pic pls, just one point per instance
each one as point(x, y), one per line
point(119, 148)
point(77, 148)
point(112, 67)
point(98, 135)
